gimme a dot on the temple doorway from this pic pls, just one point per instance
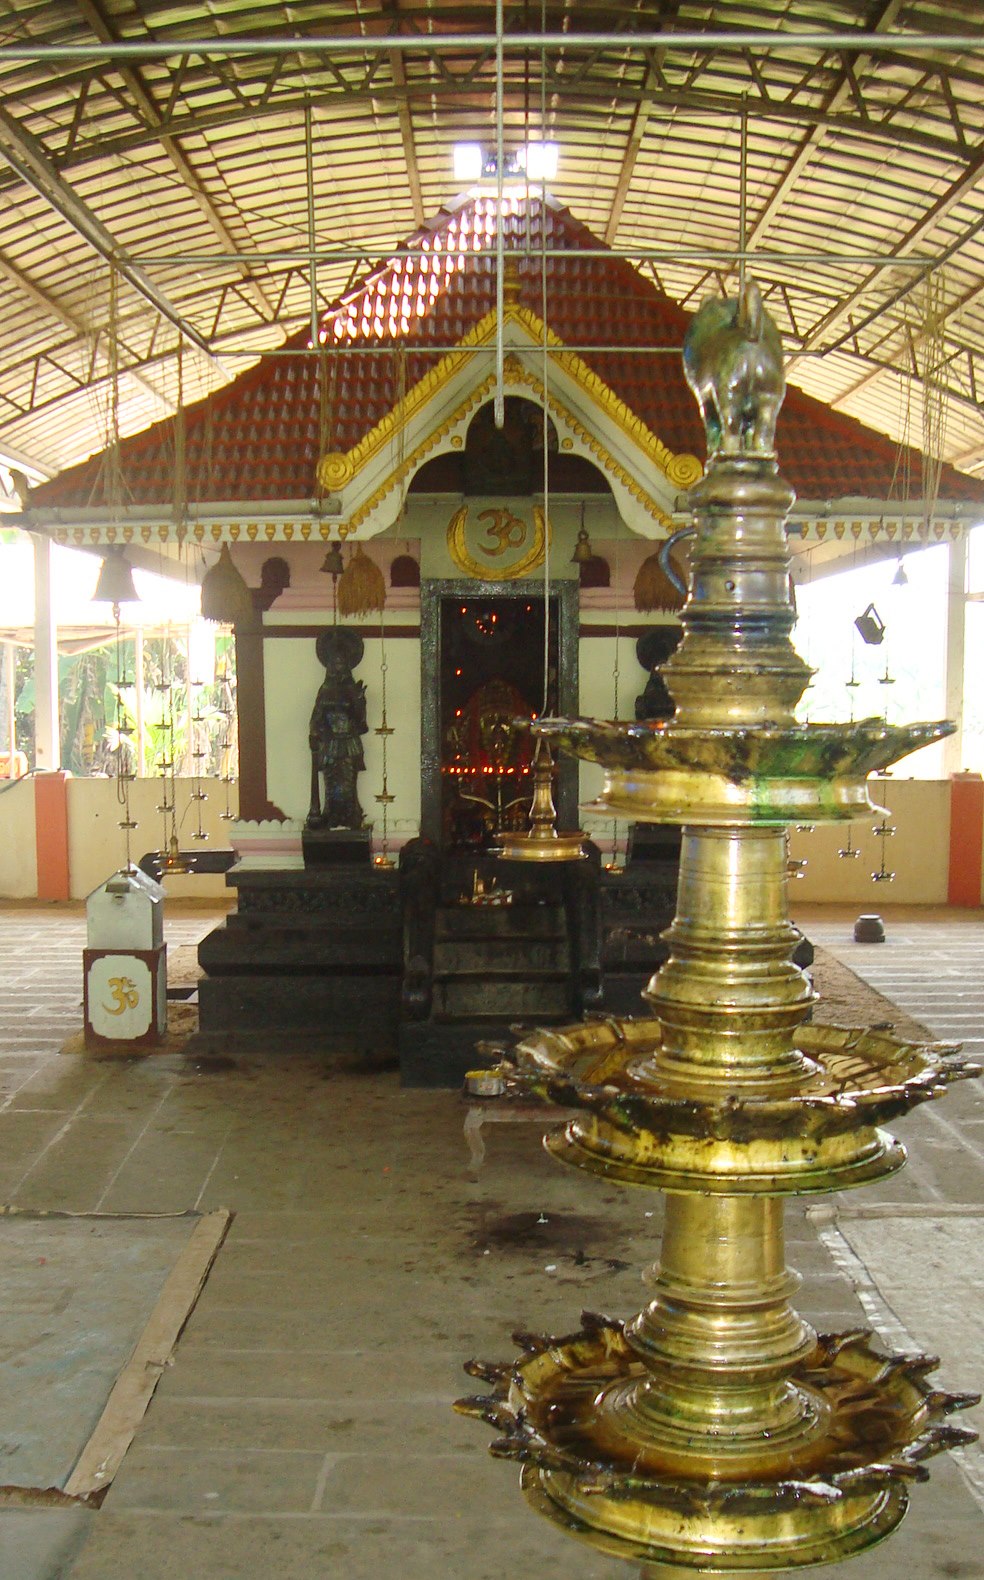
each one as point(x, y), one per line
point(482, 651)
point(492, 671)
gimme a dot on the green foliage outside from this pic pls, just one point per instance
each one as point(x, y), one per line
point(99, 718)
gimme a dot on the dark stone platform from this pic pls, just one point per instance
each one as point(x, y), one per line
point(336, 847)
point(314, 952)
point(384, 964)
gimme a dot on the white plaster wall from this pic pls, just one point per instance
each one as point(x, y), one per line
point(918, 851)
point(95, 842)
point(292, 677)
point(596, 665)
point(18, 852)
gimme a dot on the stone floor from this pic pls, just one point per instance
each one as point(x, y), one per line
point(304, 1428)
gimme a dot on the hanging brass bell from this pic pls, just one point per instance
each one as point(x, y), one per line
point(115, 583)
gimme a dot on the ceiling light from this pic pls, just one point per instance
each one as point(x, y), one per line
point(539, 161)
point(469, 161)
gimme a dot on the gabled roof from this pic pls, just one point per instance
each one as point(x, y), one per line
point(260, 439)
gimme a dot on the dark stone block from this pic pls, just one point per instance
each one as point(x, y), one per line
point(436, 1055)
point(352, 1012)
point(299, 950)
point(653, 842)
point(335, 847)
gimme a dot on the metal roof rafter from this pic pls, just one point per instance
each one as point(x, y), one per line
point(596, 96)
point(28, 158)
point(146, 103)
point(52, 308)
point(811, 142)
point(702, 41)
point(959, 189)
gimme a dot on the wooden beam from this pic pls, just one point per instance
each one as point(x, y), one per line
point(810, 145)
point(637, 133)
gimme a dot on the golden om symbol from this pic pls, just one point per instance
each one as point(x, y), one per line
point(125, 993)
point(507, 528)
point(504, 526)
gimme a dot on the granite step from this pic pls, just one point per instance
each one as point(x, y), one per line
point(504, 999)
point(499, 956)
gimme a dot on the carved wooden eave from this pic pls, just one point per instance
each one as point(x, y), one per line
point(832, 522)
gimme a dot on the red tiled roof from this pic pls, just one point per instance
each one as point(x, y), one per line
point(260, 438)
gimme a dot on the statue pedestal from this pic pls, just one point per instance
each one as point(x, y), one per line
point(336, 847)
point(309, 960)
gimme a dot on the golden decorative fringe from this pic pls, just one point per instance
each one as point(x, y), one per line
point(361, 586)
point(653, 589)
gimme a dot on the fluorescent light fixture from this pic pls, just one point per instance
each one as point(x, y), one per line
point(469, 161)
point(540, 161)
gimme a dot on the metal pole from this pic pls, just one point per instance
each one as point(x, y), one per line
point(188, 760)
point(499, 404)
point(883, 260)
point(313, 260)
point(138, 706)
point(956, 631)
point(47, 744)
point(736, 42)
point(10, 683)
point(743, 198)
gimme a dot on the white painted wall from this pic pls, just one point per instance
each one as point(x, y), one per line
point(18, 852)
point(918, 851)
point(95, 843)
point(292, 677)
point(596, 664)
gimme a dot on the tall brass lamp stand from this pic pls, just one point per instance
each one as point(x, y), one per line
point(716, 1433)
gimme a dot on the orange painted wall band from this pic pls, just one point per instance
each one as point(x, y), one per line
point(966, 841)
point(51, 835)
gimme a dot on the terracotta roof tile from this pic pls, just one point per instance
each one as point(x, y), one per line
point(260, 439)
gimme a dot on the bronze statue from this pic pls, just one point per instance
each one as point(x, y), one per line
point(732, 357)
point(338, 723)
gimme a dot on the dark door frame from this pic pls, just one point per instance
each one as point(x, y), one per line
point(567, 592)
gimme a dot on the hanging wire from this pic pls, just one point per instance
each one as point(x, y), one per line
point(545, 354)
point(196, 722)
point(309, 176)
point(124, 771)
point(114, 495)
point(616, 676)
point(499, 403)
point(384, 730)
point(934, 400)
point(883, 831)
point(385, 798)
point(743, 195)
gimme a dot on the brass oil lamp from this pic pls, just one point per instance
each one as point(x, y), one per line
point(716, 1433)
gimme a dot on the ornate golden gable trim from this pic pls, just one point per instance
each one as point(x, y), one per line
point(682, 470)
point(518, 374)
point(410, 462)
point(338, 468)
point(515, 373)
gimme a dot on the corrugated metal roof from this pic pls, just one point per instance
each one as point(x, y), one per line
point(190, 171)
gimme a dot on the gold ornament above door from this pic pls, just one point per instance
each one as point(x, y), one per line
point(497, 544)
